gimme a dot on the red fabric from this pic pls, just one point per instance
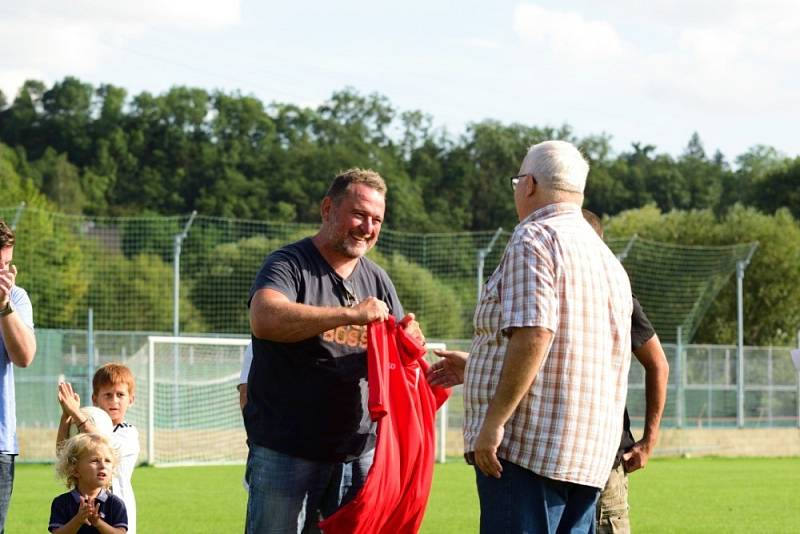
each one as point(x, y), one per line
point(395, 494)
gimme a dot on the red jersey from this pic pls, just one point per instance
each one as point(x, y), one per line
point(396, 490)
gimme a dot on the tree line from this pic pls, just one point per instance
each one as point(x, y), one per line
point(97, 151)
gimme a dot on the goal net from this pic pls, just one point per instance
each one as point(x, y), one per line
point(187, 405)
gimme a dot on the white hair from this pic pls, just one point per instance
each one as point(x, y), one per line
point(557, 165)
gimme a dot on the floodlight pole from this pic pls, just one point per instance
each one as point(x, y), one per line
point(741, 267)
point(482, 253)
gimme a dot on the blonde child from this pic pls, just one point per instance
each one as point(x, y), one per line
point(113, 390)
point(86, 463)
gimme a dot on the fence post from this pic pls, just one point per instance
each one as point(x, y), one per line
point(176, 276)
point(679, 407)
point(90, 363)
point(176, 312)
point(482, 253)
point(769, 383)
point(624, 254)
point(442, 415)
point(18, 215)
point(710, 387)
point(798, 380)
point(151, 411)
point(739, 345)
point(741, 266)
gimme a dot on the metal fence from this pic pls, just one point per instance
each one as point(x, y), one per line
point(703, 388)
point(191, 273)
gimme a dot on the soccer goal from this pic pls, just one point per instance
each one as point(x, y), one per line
point(441, 415)
point(187, 403)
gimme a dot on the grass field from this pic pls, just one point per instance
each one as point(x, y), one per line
point(700, 495)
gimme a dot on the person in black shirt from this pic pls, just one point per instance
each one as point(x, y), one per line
point(612, 506)
point(310, 436)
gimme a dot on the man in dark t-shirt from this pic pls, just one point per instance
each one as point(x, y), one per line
point(310, 436)
point(612, 506)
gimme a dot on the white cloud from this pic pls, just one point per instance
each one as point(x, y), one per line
point(567, 33)
point(716, 56)
point(482, 43)
point(47, 39)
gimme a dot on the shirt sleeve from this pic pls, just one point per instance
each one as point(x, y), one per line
point(395, 308)
point(58, 514)
point(279, 272)
point(641, 328)
point(528, 293)
point(119, 514)
point(22, 305)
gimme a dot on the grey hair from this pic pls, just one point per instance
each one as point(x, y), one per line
point(557, 165)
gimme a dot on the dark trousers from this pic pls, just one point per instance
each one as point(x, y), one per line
point(6, 484)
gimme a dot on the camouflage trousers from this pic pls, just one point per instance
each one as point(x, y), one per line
point(612, 506)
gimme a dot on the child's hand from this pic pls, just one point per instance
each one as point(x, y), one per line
point(69, 400)
point(85, 510)
point(94, 513)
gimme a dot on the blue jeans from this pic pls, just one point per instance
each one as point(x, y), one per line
point(520, 501)
point(291, 495)
point(6, 484)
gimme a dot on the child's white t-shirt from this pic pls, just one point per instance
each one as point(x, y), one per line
point(125, 440)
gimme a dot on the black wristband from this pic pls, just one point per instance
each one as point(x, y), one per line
point(7, 310)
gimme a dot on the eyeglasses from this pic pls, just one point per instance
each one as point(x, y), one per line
point(515, 180)
point(349, 293)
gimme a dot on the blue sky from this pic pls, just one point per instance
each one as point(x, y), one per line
point(652, 72)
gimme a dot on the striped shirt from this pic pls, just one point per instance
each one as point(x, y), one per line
point(556, 273)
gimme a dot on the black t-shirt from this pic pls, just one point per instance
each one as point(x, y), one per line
point(308, 399)
point(65, 506)
point(641, 332)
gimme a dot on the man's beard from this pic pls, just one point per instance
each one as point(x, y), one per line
point(352, 248)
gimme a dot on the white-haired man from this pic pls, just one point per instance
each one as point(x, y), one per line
point(546, 381)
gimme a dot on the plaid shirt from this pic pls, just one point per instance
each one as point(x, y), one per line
point(556, 273)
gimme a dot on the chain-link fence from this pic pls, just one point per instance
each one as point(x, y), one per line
point(192, 274)
point(189, 275)
point(100, 286)
point(703, 395)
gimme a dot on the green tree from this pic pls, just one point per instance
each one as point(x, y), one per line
point(778, 188)
point(60, 181)
point(142, 283)
point(47, 253)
